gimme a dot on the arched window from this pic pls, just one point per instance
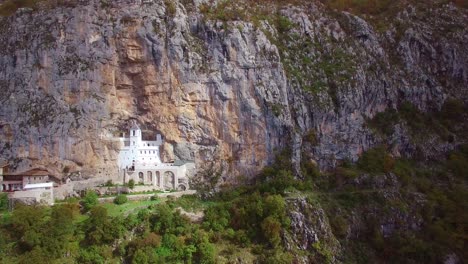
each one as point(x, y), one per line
point(140, 177)
point(150, 176)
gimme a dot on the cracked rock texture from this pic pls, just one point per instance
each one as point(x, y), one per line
point(73, 75)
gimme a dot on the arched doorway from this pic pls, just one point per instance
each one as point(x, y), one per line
point(141, 178)
point(181, 187)
point(150, 177)
point(158, 179)
point(169, 182)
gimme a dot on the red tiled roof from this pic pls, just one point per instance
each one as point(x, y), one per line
point(33, 172)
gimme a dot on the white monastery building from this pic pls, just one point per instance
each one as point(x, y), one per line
point(139, 160)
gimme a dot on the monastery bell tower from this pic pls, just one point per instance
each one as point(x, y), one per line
point(135, 135)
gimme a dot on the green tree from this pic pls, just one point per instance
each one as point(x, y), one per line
point(90, 200)
point(131, 184)
point(3, 201)
point(376, 160)
point(275, 206)
point(271, 228)
point(91, 255)
point(101, 229)
point(216, 218)
point(141, 257)
point(27, 225)
point(206, 253)
point(37, 255)
point(59, 234)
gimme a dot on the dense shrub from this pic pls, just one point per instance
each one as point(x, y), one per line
point(384, 122)
point(9, 7)
point(339, 226)
point(458, 162)
point(217, 218)
point(376, 160)
point(89, 200)
point(171, 7)
point(120, 199)
point(131, 184)
point(3, 201)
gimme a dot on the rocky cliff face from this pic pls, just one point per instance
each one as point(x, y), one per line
point(230, 83)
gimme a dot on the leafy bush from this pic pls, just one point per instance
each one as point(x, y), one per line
point(109, 183)
point(404, 170)
point(241, 238)
point(311, 137)
point(384, 122)
point(458, 162)
point(283, 24)
point(376, 160)
point(121, 199)
point(131, 184)
point(453, 109)
point(170, 7)
point(271, 228)
point(89, 200)
point(3, 201)
point(9, 7)
point(339, 226)
point(217, 218)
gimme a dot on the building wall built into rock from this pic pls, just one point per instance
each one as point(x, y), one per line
point(139, 160)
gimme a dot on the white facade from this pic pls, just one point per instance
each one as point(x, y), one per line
point(136, 152)
point(139, 160)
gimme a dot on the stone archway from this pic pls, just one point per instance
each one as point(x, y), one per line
point(149, 177)
point(181, 187)
point(141, 178)
point(169, 180)
point(158, 179)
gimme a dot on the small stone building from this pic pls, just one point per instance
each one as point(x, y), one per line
point(42, 193)
point(32, 186)
point(16, 181)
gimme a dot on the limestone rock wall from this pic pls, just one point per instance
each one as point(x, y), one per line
point(72, 76)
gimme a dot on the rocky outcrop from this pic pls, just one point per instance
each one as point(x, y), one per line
point(310, 233)
point(72, 75)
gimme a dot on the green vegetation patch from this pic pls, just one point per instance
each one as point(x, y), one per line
point(445, 123)
point(9, 7)
point(249, 222)
point(115, 210)
point(440, 191)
